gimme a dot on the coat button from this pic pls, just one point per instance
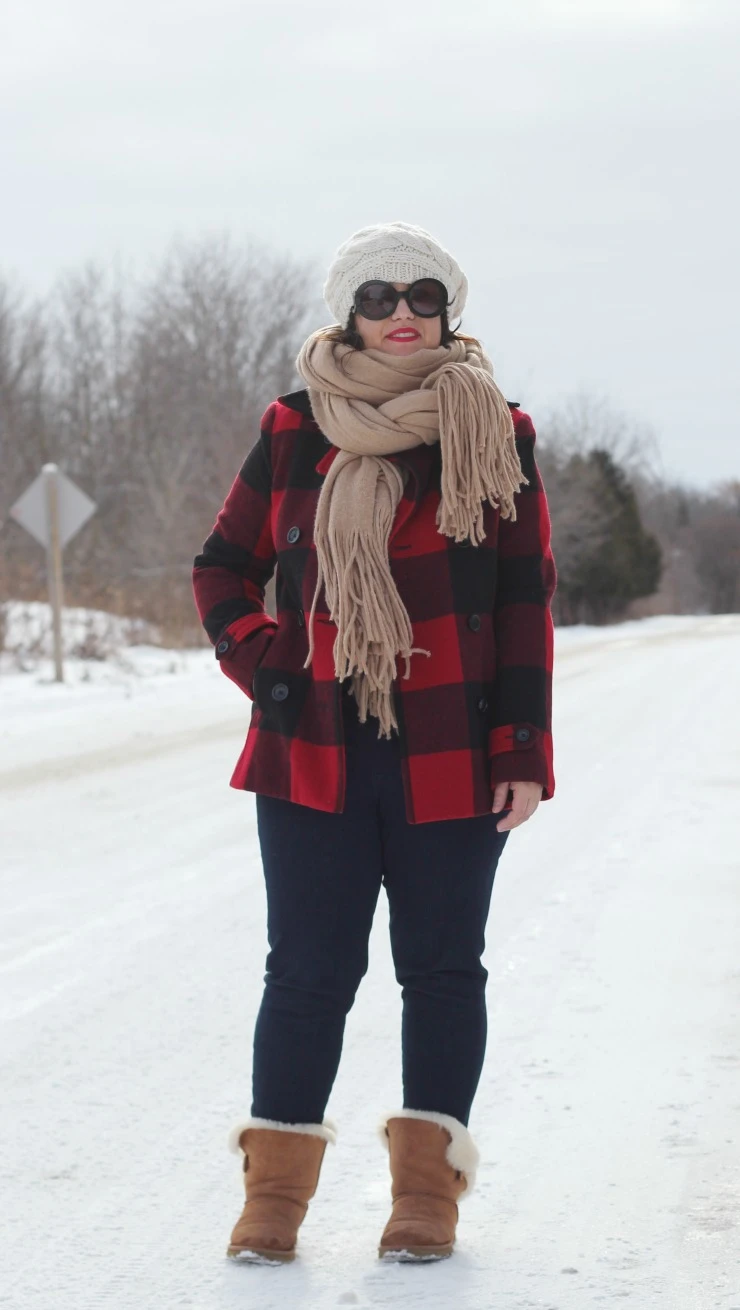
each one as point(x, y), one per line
point(522, 734)
point(482, 704)
point(300, 619)
point(327, 441)
point(293, 535)
point(474, 622)
point(465, 542)
point(222, 647)
point(279, 691)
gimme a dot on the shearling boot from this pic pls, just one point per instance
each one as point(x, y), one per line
point(281, 1173)
point(433, 1160)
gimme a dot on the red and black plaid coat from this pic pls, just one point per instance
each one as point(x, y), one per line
point(475, 713)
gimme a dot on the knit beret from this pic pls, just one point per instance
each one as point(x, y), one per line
point(391, 252)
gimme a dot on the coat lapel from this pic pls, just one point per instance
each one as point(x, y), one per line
point(420, 464)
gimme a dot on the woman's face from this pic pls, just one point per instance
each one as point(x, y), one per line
point(402, 333)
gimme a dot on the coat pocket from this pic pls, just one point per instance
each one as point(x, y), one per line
point(240, 659)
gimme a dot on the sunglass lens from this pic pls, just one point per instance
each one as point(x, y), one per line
point(376, 300)
point(428, 297)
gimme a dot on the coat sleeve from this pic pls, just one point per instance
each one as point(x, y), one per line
point(520, 742)
point(235, 565)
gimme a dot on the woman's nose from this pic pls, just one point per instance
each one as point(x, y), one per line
point(403, 310)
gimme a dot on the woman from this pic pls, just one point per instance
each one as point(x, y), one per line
point(401, 697)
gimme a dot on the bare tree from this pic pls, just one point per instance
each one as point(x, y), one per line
point(23, 409)
point(716, 548)
point(585, 422)
point(25, 438)
point(579, 527)
point(214, 342)
point(149, 394)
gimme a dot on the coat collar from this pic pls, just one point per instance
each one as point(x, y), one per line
point(299, 401)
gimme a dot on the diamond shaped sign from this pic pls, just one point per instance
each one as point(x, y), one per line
point(75, 508)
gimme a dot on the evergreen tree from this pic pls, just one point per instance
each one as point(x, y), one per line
point(605, 569)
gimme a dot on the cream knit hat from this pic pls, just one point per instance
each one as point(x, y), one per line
point(391, 252)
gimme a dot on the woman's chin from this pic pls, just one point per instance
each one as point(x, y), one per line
point(402, 347)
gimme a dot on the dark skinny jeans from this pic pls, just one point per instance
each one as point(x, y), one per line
point(323, 874)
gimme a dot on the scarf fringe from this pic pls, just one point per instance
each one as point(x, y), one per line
point(373, 626)
point(479, 457)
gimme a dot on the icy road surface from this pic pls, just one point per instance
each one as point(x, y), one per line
point(131, 960)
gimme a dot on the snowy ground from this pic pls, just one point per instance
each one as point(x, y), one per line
point(131, 960)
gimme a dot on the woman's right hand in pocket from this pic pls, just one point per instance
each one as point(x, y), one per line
point(241, 659)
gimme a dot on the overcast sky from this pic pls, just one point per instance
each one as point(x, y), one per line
point(579, 157)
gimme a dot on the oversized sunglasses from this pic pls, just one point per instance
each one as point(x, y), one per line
point(376, 300)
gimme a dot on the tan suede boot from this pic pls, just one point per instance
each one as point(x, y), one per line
point(433, 1160)
point(281, 1173)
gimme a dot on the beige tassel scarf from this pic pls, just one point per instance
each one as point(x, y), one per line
point(370, 404)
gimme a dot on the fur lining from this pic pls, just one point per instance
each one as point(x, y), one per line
point(462, 1153)
point(327, 1130)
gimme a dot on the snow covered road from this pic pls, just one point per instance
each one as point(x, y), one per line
point(131, 960)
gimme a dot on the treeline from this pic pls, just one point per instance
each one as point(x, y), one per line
point(148, 393)
point(629, 542)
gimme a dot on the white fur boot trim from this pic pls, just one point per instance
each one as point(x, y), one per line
point(462, 1153)
point(327, 1130)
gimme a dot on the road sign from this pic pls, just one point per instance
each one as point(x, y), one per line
point(53, 509)
point(74, 508)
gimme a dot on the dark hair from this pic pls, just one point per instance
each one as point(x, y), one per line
point(349, 336)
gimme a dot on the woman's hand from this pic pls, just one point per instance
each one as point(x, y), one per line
point(527, 796)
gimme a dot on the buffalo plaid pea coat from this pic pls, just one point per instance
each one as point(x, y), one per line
point(476, 712)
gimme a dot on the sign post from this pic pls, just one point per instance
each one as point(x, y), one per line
point(55, 581)
point(53, 509)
